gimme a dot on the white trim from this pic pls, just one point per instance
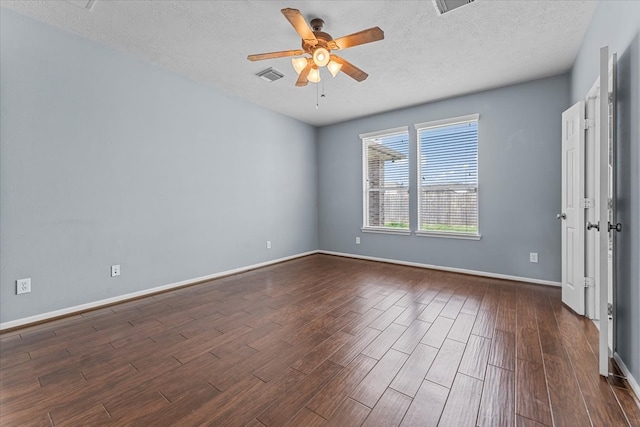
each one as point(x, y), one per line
point(448, 235)
point(632, 381)
point(603, 232)
point(446, 122)
point(386, 230)
point(365, 190)
point(97, 304)
point(450, 269)
point(121, 298)
point(594, 92)
point(400, 129)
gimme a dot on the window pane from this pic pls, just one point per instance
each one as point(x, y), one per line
point(387, 181)
point(448, 196)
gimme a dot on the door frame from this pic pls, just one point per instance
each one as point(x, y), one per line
point(613, 153)
point(592, 206)
point(607, 214)
point(597, 205)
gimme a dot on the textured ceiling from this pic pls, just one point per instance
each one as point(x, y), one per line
point(424, 56)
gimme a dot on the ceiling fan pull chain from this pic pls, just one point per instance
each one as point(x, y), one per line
point(317, 99)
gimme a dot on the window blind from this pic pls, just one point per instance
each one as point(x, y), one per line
point(386, 181)
point(448, 175)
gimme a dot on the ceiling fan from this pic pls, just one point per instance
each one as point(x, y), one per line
point(319, 45)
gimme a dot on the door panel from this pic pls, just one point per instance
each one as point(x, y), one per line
point(572, 214)
point(570, 255)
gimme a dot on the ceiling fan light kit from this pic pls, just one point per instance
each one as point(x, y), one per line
point(319, 45)
point(314, 75)
point(299, 63)
point(334, 67)
point(321, 56)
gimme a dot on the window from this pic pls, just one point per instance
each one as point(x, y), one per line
point(386, 180)
point(448, 177)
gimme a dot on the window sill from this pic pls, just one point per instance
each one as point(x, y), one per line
point(386, 231)
point(449, 235)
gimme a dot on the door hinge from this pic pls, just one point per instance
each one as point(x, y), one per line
point(586, 203)
point(589, 124)
point(609, 309)
point(588, 282)
point(610, 98)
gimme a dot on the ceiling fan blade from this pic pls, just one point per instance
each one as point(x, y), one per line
point(270, 55)
point(300, 25)
point(361, 37)
point(304, 74)
point(349, 69)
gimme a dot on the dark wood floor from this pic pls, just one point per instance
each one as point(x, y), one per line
point(320, 340)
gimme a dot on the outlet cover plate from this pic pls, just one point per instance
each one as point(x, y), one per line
point(268, 244)
point(23, 286)
point(533, 257)
point(115, 270)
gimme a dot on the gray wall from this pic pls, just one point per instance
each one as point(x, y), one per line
point(519, 183)
point(109, 160)
point(617, 24)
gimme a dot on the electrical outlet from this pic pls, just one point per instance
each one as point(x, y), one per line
point(533, 257)
point(357, 240)
point(268, 244)
point(23, 286)
point(115, 270)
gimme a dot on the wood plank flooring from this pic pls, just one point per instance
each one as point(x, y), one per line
point(317, 341)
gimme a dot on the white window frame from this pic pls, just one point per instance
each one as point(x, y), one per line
point(441, 123)
point(365, 189)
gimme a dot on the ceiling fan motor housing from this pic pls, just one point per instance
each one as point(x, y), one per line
point(316, 24)
point(323, 41)
point(323, 38)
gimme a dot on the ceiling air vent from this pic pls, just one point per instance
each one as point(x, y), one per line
point(83, 4)
point(444, 6)
point(270, 74)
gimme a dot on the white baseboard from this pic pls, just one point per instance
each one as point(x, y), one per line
point(451, 269)
point(632, 381)
point(121, 298)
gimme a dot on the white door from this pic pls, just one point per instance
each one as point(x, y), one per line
point(614, 226)
point(607, 218)
point(572, 214)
